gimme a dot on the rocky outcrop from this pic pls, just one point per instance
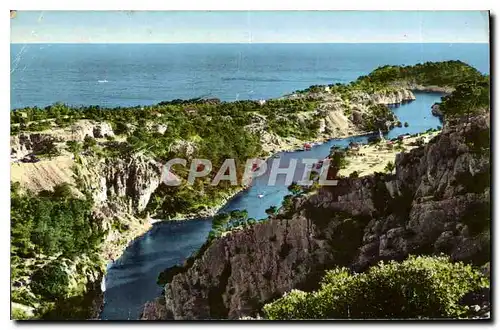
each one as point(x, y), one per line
point(272, 142)
point(436, 111)
point(132, 179)
point(388, 98)
point(182, 147)
point(154, 310)
point(395, 95)
point(84, 128)
point(337, 117)
point(437, 202)
point(25, 143)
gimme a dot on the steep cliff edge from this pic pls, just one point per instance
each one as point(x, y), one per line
point(437, 202)
point(339, 114)
point(113, 190)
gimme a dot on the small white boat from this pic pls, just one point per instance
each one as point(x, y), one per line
point(260, 195)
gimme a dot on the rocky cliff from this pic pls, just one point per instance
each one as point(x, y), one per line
point(38, 142)
point(132, 179)
point(437, 202)
point(339, 116)
point(344, 115)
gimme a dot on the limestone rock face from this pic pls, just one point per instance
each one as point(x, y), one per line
point(183, 147)
point(429, 206)
point(161, 129)
point(336, 117)
point(134, 179)
point(84, 128)
point(27, 143)
point(436, 111)
point(399, 96)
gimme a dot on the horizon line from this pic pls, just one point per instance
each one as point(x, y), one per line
point(249, 43)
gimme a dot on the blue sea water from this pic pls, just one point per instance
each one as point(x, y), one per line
point(131, 280)
point(140, 74)
point(125, 75)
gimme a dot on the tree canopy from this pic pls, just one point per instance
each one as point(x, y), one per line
point(419, 287)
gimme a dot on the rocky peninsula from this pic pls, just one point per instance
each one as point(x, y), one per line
point(425, 207)
point(111, 161)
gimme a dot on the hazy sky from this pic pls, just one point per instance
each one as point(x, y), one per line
point(253, 26)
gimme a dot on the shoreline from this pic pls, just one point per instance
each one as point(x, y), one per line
point(210, 212)
point(115, 251)
point(110, 258)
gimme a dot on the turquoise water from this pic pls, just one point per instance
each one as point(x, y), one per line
point(131, 281)
point(134, 74)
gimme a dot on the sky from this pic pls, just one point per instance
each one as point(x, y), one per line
point(249, 26)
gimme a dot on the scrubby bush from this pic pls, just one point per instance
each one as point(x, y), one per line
point(63, 190)
point(89, 142)
point(467, 99)
point(295, 188)
point(51, 282)
point(271, 210)
point(389, 167)
point(419, 287)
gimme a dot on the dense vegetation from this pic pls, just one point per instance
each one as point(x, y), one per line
point(54, 247)
point(55, 237)
point(184, 118)
point(224, 222)
point(215, 130)
point(390, 77)
point(419, 287)
point(467, 99)
point(51, 222)
point(445, 74)
point(205, 129)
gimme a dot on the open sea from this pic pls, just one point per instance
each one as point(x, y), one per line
point(141, 74)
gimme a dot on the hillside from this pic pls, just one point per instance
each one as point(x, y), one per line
point(86, 181)
point(437, 202)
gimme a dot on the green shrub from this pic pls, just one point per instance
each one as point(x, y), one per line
point(19, 314)
point(39, 126)
point(271, 210)
point(390, 167)
point(354, 174)
point(419, 287)
point(51, 282)
point(294, 188)
point(63, 190)
point(89, 142)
